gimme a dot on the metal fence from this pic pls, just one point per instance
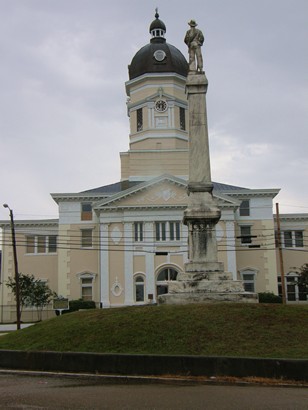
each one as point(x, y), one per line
point(28, 314)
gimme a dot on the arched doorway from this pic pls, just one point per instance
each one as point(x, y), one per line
point(164, 277)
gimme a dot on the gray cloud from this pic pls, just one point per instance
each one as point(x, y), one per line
point(63, 115)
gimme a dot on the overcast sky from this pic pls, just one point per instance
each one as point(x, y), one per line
point(63, 118)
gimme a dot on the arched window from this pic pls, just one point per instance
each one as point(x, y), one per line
point(139, 289)
point(164, 277)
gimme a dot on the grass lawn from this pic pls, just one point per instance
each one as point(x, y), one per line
point(225, 329)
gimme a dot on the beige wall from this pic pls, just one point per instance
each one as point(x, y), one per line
point(172, 86)
point(157, 163)
point(160, 143)
point(139, 264)
point(116, 262)
point(42, 266)
point(292, 258)
point(262, 259)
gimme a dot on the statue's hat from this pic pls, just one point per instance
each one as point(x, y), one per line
point(192, 23)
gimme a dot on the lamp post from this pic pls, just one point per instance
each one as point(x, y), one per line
point(17, 293)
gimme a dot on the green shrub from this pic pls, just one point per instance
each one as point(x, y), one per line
point(269, 297)
point(81, 304)
point(77, 305)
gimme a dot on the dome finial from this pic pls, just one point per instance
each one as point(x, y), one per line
point(157, 28)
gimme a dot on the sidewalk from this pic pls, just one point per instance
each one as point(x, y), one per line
point(9, 327)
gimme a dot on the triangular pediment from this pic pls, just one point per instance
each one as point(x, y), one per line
point(160, 94)
point(165, 191)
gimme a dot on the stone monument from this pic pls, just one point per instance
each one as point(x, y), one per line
point(204, 279)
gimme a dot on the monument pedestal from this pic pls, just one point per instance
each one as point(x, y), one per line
point(204, 278)
point(204, 283)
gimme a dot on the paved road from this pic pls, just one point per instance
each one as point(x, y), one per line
point(41, 392)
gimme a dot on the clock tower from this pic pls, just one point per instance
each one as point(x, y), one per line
point(157, 109)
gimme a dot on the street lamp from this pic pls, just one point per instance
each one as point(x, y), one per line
point(17, 293)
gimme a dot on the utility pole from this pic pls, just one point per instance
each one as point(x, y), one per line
point(17, 292)
point(283, 284)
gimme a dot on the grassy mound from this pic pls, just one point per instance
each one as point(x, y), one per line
point(261, 330)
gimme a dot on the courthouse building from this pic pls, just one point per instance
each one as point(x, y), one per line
point(122, 244)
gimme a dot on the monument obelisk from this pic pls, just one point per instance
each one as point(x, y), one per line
point(204, 278)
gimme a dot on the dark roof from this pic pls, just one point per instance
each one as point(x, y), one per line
point(144, 62)
point(225, 187)
point(112, 188)
point(157, 23)
point(123, 185)
point(170, 60)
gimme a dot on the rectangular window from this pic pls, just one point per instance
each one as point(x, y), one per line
point(182, 119)
point(293, 239)
point(138, 228)
point(245, 208)
point(139, 119)
point(287, 239)
point(249, 282)
point(41, 244)
point(30, 244)
point(86, 212)
point(52, 244)
point(160, 231)
point(86, 238)
point(170, 231)
point(245, 234)
point(86, 289)
point(174, 229)
point(299, 239)
point(295, 291)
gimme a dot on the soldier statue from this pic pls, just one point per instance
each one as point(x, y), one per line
point(194, 39)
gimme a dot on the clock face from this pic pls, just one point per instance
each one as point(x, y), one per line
point(161, 105)
point(159, 55)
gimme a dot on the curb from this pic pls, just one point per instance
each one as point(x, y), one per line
point(120, 379)
point(154, 365)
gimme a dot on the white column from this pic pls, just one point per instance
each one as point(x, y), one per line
point(104, 265)
point(149, 260)
point(230, 242)
point(171, 116)
point(128, 264)
point(151, 115)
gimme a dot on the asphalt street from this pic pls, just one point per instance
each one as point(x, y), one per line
point(42, 392)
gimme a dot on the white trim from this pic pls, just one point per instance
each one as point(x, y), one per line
point(143, 275)
point(148, 77)
point(166, 265)
point(31, 223)
point(150, 117)
point(137, 137)
point(150, 258)
point(116, 288)
point(231, 253)
point(128, 264)
point(161, 150)
point(104, 265)
point(249, 271)
point(86, 275)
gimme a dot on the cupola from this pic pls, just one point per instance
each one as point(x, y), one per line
point(157, 29)
point(158, 56)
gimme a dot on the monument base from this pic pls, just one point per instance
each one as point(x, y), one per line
point(207, 297)
point(206, 286)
